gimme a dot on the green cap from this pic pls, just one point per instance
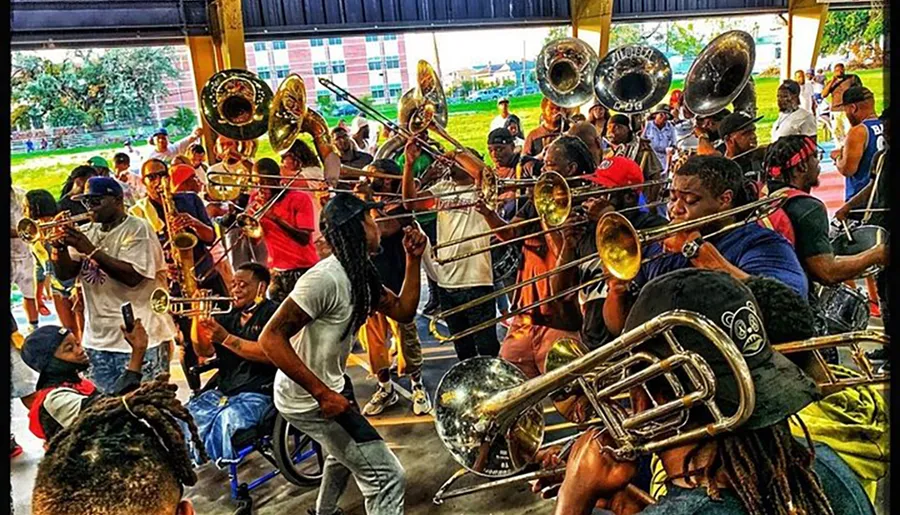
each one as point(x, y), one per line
point(98, 162)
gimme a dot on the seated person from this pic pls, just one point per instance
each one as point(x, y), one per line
point(707, 185)
point(240, 394)
point(124, 455)
point(758, 467)
point(62, 393)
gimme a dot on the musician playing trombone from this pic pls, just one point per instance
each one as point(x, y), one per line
point(705, 185)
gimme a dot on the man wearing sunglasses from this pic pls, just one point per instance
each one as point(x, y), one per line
point(119, 261)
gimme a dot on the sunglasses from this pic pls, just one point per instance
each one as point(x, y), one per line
point(154, 176)
point(92, 202)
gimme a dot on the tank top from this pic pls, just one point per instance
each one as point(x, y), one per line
point(874, 143)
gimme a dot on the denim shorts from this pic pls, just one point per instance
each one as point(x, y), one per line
point(219, 417)
point(106, 366)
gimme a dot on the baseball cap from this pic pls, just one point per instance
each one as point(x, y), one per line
point(663, 108)
point(735, 122)
point(41, 344)
point(503, 100)
point(500, 136)
point(101, 187)
point(620, 119)
point(617, 171)
point(782, 388)
point(161, 132)
point(344, 206)
point(358, 123)
point(856, 94)
point(98, 162)
point(792, 86)
point(181, 173)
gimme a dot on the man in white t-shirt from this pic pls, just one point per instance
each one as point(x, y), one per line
point(119, 260)
point(807, 91)
point(792, 120)
point(310, 338)
point(466, 279)
point(500, 120)
point(165, 152)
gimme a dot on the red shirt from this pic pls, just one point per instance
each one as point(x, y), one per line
point(285, 253)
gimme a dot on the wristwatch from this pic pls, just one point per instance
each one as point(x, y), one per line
point(692, 248)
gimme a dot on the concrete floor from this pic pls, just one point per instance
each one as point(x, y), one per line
point(412, 438)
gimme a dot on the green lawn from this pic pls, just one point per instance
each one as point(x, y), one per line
point(468, 123)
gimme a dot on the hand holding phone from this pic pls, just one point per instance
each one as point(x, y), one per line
point(128, 316)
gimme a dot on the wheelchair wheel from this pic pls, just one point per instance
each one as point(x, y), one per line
point(299, 457)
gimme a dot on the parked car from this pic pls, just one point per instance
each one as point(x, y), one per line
point(480, 96)
point(344, 109)
point(519, 91)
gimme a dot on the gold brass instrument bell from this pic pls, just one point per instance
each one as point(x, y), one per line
point(489, 418)
point(33, 231)
point(236, 104)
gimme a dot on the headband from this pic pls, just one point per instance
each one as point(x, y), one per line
point(808, 148)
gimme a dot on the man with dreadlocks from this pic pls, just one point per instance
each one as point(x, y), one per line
point(124, 455)
point(792, 165)
point(310, 337)
point(758, 468)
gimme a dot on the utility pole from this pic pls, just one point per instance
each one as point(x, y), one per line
point(524, 69)
point(437, 56)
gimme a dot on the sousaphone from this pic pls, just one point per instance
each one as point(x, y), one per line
point(721, 75)
point(565, 72)
point(235, 103)
point(632, 79)
point(289, 108)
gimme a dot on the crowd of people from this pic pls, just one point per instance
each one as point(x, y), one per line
point(341, 262)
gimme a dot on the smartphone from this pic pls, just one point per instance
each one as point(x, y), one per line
point(128, 316)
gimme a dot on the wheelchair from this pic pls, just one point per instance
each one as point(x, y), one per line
point(295, 456)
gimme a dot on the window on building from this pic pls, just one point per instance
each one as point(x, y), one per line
point(259, 47)
point(320, 68)
point(334, 41)
point(264, 72)
point(377, 92)
point(395, 90)
point(392, 62)
point(316, 42)
point(282, 71)
point(370, 39)
point(279, 45)
point(778, 52)
point(338, 67)
point(390, 37)
point(374, 64)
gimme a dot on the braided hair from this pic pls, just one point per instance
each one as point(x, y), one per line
point(348, 244)
point(784, 157)
point(41, 203)
point(576, 151)
point(124, 455)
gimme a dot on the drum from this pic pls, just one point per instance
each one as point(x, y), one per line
point(862, 238)
point(844, 308)
point(505, 261)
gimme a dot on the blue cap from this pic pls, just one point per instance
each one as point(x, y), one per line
point(41, 345)
point(161, 132)
point(100, 187)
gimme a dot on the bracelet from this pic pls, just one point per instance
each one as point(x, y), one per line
point(225, 343)
point(96, 250)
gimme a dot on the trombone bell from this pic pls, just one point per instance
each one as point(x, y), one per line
point(619, 246)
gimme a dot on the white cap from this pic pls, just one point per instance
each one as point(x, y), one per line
point(358, 123)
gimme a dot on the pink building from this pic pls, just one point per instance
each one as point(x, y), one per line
point(372, 66)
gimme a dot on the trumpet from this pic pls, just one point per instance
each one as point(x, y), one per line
point(619, 250)
point(494, 428)
point(33, 231)
point(194, 307)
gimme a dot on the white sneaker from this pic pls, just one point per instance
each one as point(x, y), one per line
point(380, 399)
point(421, 403)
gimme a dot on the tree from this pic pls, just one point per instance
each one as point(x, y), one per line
point(184, 120)
point(624, 34)
point(858, 32)
point(683, 39)
point(556, 33)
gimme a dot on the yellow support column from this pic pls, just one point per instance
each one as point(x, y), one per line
point(231, 33)
point(592, 22)
point(204, 64)
point(806, 22)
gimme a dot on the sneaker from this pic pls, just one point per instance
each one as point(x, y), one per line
point(885, 369)
point(14, 448)
point(879, 354)
point(421, 404)
point(380, 399)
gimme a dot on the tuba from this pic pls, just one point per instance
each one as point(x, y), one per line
point(721, 74)
point(632, 78)
point(565, 72)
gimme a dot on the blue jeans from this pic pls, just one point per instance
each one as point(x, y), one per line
point(219, 417)
point(106, 366)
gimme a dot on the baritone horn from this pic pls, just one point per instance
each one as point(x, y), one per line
point(565, 72)
point(494, 428)
point(632, 78)
point(33, 231)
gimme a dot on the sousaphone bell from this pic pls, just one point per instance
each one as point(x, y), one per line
point(565, 72)
point(235, 103)
point(720, 74)
point(632, 79)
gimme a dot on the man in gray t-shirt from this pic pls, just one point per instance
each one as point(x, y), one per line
point(310, 337)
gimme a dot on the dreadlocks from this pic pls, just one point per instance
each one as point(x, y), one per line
point(124, 455)
point(576, 151)
point(785, 155)
point(348, 243)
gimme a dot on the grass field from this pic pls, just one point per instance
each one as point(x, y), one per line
point(468, 123)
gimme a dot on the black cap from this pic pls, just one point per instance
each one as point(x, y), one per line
point(344, 206)
point(101, 187)
point(500, 136)
point(856, 94)
point(735, 122)
point(41, 345)
point(620, 119)
point(782, 388)
point(791, 85)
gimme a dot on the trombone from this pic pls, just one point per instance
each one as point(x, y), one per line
point(619, 250)
point(33, 231)
point(824, 375)
point(161, 303)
